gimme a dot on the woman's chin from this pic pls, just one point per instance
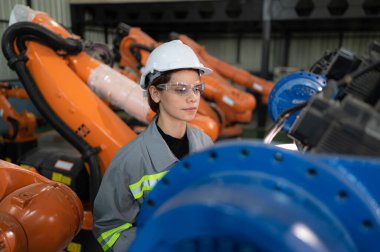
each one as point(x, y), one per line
point(189, 118)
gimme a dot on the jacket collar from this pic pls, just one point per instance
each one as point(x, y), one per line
point(193, 139)
point(159, 152)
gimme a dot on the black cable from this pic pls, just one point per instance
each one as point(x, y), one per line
point(280, 121)
point(134, 47)
point(21, 32)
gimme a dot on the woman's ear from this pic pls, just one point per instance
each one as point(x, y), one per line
point(155, 94)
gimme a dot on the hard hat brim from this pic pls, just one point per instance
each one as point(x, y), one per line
point(203, 71)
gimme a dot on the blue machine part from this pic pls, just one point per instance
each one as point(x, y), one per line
point(247, 196)
point(292, 90)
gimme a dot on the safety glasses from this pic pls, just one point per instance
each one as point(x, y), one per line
point(183, 89)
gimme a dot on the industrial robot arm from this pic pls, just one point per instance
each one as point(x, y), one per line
point(53, 68)
point(21, 126)
point(36, 214)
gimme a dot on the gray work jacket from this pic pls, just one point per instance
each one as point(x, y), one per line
point(132, 173)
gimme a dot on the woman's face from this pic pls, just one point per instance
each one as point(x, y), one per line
point(175, 103)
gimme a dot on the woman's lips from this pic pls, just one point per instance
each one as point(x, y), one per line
point(190, 109)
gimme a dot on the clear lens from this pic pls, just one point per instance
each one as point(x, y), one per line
point(183, 89)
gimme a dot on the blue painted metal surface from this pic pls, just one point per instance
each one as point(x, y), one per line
point(292, 90)
point(246, 196)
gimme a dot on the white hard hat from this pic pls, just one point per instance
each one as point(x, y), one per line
point(171, 56)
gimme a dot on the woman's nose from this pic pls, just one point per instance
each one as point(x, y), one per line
point(192, 96)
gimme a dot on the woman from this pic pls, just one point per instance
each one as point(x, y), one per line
point(172, 80)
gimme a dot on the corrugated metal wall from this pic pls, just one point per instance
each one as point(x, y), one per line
point(304, 48)
point(243, 51)
point(59, 10)
point(5, 8)
point(358, 42)
point(96, 34)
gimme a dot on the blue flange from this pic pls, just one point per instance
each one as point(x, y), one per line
point(292, 90)
point(246, 196)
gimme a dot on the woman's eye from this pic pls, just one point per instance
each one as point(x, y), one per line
point(198, 88)
point(181, 90)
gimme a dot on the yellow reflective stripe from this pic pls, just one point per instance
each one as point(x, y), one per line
point(147, 182)
point(112, 232)
point(111, 242)
point(140, 194)
point(147, 177)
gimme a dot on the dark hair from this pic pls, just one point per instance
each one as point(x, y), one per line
point(162, 79)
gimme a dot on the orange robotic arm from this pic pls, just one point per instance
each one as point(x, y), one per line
point(62, 79)
point(232, 101)
point(21, 126)
point(41, 59)
point(230, 72)
point(134, 47)
point(26, 223)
